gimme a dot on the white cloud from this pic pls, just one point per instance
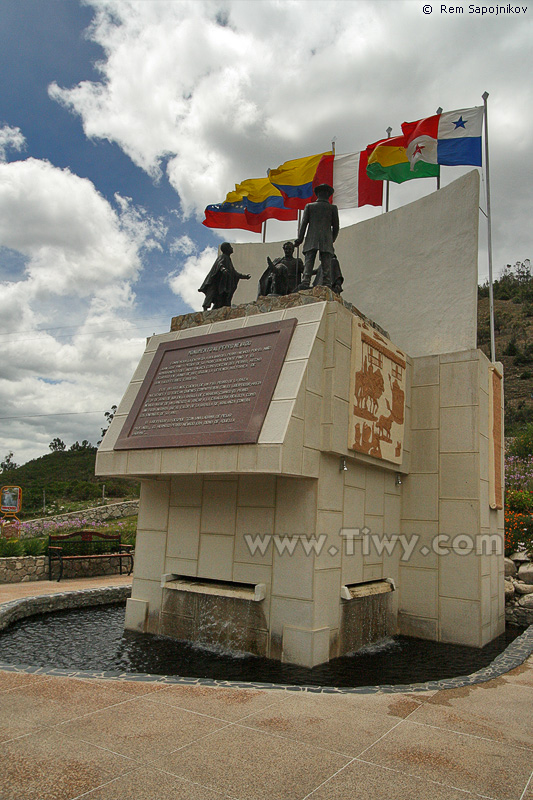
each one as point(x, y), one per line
point(185, 283)
point(215, 92)
point(183, 244)
point(208, 93)
point(10, 138)
point(68, 341)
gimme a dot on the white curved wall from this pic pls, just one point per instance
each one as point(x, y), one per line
point(413, 270)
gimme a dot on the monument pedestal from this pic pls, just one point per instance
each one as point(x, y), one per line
point(300, 517)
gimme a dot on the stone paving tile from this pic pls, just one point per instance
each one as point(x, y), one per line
point(522, 675)
point(227, 704)
point(251, 765)
point(49, 766)
point(152, 784)
point(528, 793)
point(13, 591)
point(132, 688)
point(48, 701)
point(362, 781)
point(14, 680)
point(142, 729)
point(342, 727)
point(464, 762)
point(473, 710)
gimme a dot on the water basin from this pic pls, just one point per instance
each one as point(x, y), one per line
point(94, 639)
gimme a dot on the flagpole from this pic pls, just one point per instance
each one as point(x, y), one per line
point(389, 131)
point(264, 230)
point(439, 111)
point(489, 231)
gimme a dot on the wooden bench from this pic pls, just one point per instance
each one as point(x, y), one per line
point(81, 545)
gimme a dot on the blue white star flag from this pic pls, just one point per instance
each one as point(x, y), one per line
point(451, 138)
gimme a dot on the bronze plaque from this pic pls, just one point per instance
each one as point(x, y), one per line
point(210, 389)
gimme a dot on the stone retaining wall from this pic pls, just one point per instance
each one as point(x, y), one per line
point(21, 569)
point(128, 508)
point(519, 616)
point(519, 589)
point(30, 606)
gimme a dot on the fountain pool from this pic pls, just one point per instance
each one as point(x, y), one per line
point(94, 639)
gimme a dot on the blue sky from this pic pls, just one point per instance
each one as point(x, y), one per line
point(121, 119)
point(42, 41)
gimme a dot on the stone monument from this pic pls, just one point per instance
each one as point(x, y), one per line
point(308, 484)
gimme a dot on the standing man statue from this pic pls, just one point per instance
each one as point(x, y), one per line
point(322, 221)
point(221, 281)
point(337, 278)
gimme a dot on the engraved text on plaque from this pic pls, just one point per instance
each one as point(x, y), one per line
point(210, 389)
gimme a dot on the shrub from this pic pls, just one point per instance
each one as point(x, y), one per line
point(10, 548)
point(522, 445)
point(519, 501)
point(34, 547)
point(520, 359)
point(518, 532)
point(511, 349)
point(519, 473)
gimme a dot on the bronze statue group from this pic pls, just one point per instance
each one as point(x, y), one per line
point(287, 274)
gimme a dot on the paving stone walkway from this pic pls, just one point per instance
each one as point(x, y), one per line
point(67, 738)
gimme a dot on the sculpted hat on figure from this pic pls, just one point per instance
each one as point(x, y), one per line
point(321, 222)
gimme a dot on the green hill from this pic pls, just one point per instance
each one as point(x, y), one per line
point(513, 318)
point(66, 476)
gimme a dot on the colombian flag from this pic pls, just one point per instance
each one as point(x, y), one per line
point(295, 179)
point(345, 173)
point(388, 161)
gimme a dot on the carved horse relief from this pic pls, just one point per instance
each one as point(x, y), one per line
point(378, 396)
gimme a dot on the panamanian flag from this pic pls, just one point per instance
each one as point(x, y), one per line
point(452, 138)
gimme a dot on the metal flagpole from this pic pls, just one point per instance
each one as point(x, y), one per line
point(389, 131)
point(264, 231)
point(439, 111)
point(489, 231)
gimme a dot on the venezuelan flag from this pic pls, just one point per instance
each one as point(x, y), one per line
point(263, 201)
point(253, 202)
point(388, 161)
point(295, 179)
point(232, 213)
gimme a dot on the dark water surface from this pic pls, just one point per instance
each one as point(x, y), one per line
point(94, 639)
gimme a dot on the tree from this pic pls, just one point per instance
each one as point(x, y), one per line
point(109, 418)
point(57, 445)
point(85, 445)
point(8, 464)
